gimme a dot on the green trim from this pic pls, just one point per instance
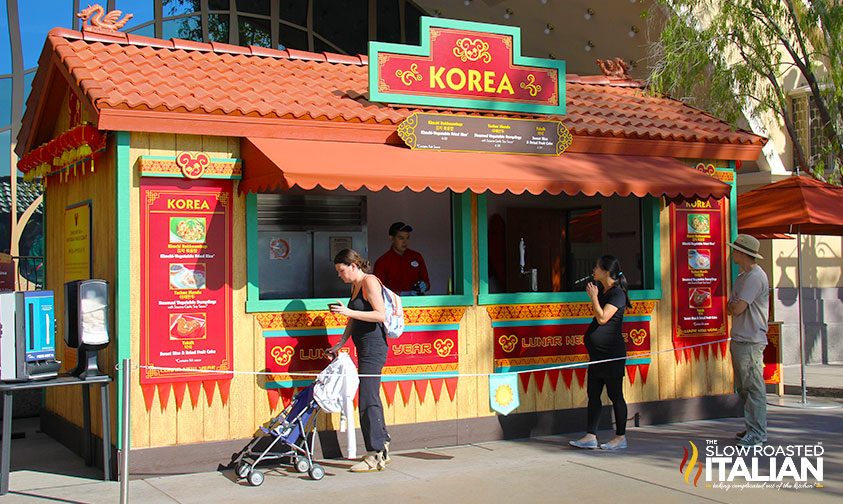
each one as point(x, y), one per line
point(123, 284)
point(733, 215)
point(461, 216)
point(173, 175)
point(173, 158)
point(424, 51)
point(652, 249)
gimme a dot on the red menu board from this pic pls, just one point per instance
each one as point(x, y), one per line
point(185, 281)
point(698, 271)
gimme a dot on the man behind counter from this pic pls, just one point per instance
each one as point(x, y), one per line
point(400, 268)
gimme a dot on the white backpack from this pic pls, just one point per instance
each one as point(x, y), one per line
point(393, 324)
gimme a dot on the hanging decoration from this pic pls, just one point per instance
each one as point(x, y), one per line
point(74, 151)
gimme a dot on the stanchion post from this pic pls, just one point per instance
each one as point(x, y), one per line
point(124, 452)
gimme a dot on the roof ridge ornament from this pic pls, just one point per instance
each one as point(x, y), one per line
point(615, 68)
point(96, 20)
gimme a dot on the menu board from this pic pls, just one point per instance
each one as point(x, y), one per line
point(698, 269)
point(462, 133)
point(185, 279)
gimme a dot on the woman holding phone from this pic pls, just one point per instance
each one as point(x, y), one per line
point(604, 340)
point(366, 315)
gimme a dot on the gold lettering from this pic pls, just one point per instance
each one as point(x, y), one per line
point(474, 81)
point(505, 85)
point(183, 204)
point(456, 86)
point(436, 77)
point(489, 82)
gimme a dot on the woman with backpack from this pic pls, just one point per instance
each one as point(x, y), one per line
point(366, 316)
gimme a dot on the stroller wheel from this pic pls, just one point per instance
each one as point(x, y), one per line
point(242, 469)
point(256, 478)
point(317, 472)
point(302, 464)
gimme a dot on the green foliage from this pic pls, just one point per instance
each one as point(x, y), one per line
point(730, 57)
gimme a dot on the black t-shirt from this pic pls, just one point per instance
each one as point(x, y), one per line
point(606, 341)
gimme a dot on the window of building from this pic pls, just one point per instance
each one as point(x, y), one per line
point(547, 245)
point(254, 31)
point(296, 234)
point(809, 128)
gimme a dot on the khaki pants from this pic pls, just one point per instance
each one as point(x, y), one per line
point(748, 363)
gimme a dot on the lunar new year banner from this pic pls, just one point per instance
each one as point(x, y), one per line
point(698, 275)
point(525, 339)
point(185, 288)
point(413, 360)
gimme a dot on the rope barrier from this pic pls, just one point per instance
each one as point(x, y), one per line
point(455, 374)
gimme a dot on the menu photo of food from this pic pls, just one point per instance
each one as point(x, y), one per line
point(699, 223)
point(187, 230)
point(699, 259)
point(700, 297)
point(187, 326)
point(187, 276)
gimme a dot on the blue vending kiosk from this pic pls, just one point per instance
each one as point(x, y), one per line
point(27, 336)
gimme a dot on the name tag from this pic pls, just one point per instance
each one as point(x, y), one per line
point(414, 264)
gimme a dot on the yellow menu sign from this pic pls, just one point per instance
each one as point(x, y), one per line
point(77, 242)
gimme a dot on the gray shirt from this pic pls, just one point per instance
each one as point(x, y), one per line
point(751, 325)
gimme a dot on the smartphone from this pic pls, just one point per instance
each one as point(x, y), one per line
point(331, 305)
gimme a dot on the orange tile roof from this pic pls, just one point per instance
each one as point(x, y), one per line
point(140, 83)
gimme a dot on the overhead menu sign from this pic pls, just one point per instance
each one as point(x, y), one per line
point(462, 64)
point(462, 133)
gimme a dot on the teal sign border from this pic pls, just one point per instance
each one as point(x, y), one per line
point(427, 23)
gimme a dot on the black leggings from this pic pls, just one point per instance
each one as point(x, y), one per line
point(371, 410)
point(614, 389)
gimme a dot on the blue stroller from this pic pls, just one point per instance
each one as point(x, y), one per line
point(290, 436)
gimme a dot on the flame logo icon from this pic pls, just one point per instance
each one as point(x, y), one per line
point(686, 471)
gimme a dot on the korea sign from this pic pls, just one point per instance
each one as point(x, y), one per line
point(466, 65)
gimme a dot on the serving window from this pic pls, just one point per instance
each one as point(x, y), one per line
point(294, 235)
point(542, 248)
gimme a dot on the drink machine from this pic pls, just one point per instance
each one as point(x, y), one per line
point(86, 323)
point(27, 336)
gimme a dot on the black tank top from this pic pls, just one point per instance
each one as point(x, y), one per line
point(364, 333)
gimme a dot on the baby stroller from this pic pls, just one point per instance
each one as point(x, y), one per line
point(290, 436)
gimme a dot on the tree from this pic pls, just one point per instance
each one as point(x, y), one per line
point(734, 56)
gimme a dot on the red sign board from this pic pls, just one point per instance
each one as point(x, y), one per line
point(463, 64)
point(698, 271)
point(186, 278)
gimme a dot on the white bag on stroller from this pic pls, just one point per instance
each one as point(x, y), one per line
point(334, 390)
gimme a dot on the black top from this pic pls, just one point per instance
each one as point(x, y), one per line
point(367, 336)
point(606, 341)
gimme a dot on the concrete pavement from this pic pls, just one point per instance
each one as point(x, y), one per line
point(533, 470)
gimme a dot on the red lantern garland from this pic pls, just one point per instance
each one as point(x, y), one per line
point(65, 152)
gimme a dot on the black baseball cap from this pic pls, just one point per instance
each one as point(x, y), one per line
point(397, 227)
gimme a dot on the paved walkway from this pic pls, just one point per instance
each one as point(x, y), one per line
point(526, 471)
point(825, 380)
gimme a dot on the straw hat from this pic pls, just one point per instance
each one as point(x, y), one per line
point(747, 244)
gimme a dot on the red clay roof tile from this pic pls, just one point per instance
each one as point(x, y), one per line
point(194, 78)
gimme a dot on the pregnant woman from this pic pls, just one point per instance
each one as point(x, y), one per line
point(604, 340)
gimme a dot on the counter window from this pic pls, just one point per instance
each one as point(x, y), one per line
point(295, 234)
point(548, 243)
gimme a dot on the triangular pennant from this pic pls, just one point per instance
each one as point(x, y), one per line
point(723, 348)
point(225, 387)
point(421, 389)
point(287, 396)
point(567, 377)
point(687, 354)
point(389, 391)
point(163, 395)
point(697, 351)
point(503, 393)
point(707, 351)
point(272, 395)
point(451, 385)
point(194, 387)
point(643, 369)
point(630, 373)
point(148, 395)
point(208, 385)
point(406, 387)
point(553, 377)
point(436, 388)
point(539, 375)
point(677, 354)
point(580, 372)
point(525, 381)
point(178, 390)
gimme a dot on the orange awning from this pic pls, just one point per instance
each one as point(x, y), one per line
point(272, 164)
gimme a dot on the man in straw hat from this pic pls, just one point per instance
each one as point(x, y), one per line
point(749, 308)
